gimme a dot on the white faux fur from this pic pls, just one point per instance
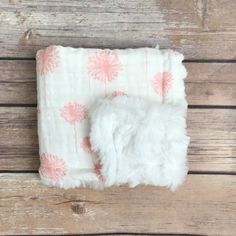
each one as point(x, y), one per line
point(139, 141)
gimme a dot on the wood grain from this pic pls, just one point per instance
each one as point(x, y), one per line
point(201, 29)
point(204, 205)
point(17, 82)
point(206, 84)
point(212, 132)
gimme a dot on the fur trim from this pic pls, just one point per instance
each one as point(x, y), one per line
point(140, 141)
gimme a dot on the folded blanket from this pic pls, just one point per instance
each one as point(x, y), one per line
point(70, 81)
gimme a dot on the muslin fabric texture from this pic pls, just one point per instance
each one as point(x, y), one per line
point(74, 85)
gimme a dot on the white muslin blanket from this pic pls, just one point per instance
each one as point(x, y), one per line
point(111, 117)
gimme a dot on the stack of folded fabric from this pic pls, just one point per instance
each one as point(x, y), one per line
point(111, 117)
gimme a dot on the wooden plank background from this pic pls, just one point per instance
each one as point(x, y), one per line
point(205, 32)
point(207, 83)
point(203, 205)
point(212, 132)
point(201, 29)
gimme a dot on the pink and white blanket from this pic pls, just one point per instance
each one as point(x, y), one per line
point(111, 117)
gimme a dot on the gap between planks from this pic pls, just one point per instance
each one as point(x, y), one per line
point(184, 61)
point(12, 105)
point(189, 173)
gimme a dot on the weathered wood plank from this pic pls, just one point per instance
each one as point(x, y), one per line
point(207, 83)
point(212, 132)
point(211, 83)
point(220, 19)
point(17, 82)
point(204, 205)
point(195, 28)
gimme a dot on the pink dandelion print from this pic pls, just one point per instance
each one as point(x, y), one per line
point(162, 83)
point(47, 61)
point(52, 167)
point(73, 113)
point(118, 93)
point(104, 66)
point(86, 145)
point(97, 171)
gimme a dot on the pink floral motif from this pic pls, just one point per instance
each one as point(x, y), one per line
point(118, 93)
point(73, 113)
point(52, 167)
point(97, 171)
point(86, 145)
point(47, 60)
point(104, 66)
point(162, 82)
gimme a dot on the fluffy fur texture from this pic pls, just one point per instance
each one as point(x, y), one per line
point(139, 141)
